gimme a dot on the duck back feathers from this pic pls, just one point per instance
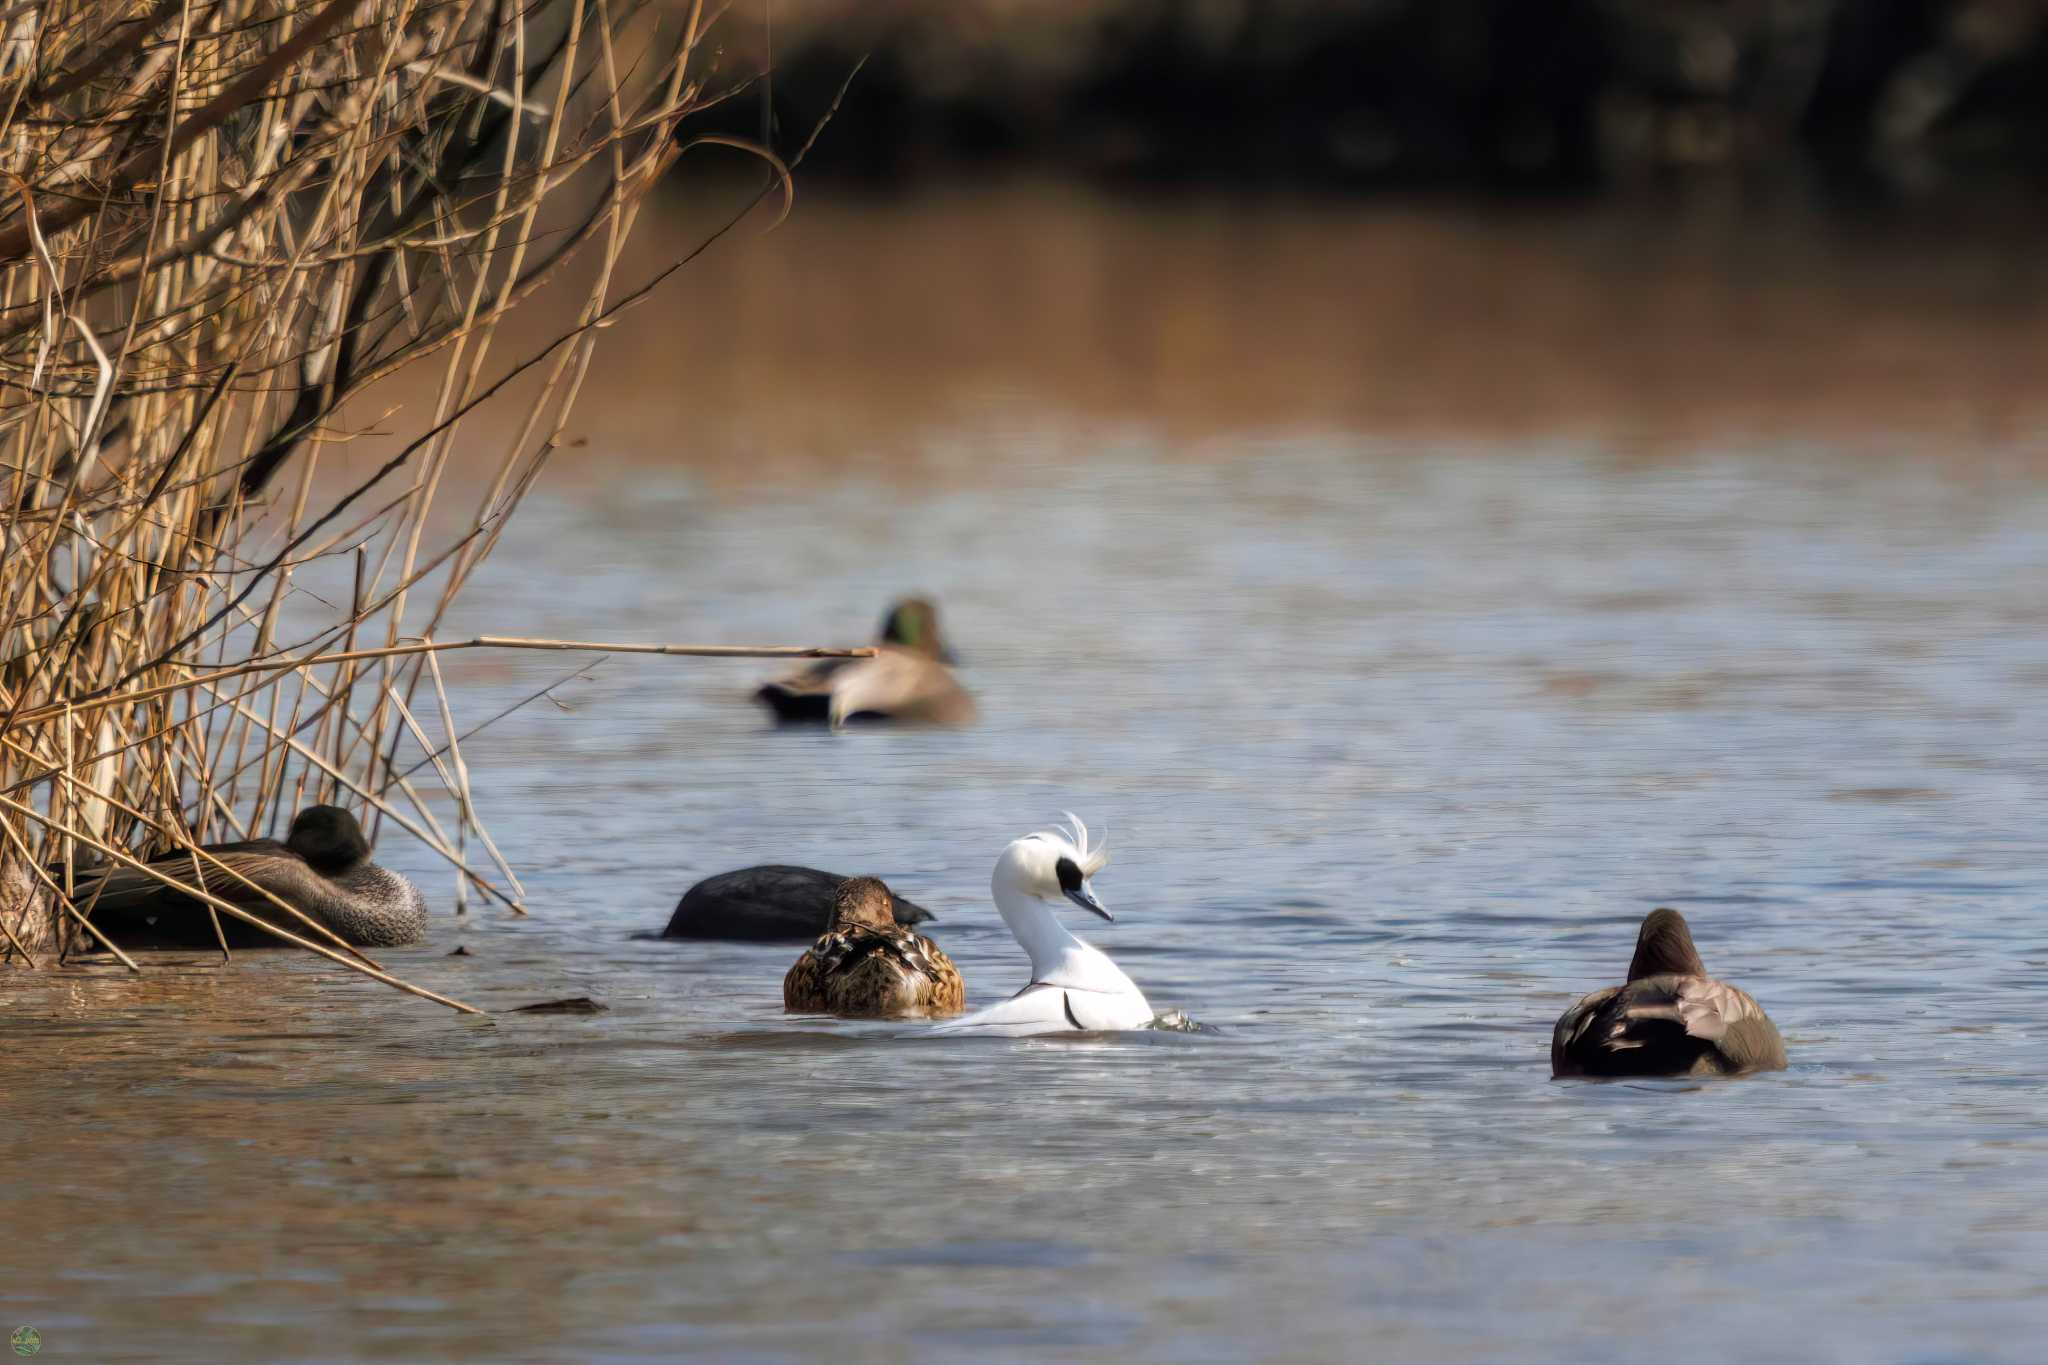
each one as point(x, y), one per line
point(1668, 1019)
point(323, 870)
point(869, 967)
point(773, 903)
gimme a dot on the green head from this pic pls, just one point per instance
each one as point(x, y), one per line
point(913, 623)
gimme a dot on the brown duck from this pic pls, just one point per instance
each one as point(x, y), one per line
point(1669, 1019)
point(907, 680)
point(868, 967)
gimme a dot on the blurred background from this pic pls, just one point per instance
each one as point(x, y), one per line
point(1559, 97)
point(1651, 223)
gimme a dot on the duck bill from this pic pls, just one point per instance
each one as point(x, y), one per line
point(1084, 896)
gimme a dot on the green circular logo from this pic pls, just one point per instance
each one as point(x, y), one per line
point(26, 1341)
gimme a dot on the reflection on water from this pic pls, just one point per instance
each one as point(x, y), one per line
point(855, 323)
point(858, 329)
point(1393, 751)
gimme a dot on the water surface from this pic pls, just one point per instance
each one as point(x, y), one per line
point(1394, 742)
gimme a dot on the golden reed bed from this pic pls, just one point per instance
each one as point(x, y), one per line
point(221, 219)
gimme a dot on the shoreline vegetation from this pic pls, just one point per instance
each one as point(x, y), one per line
point(224, 219)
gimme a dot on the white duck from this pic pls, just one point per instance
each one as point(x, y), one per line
point(1074, 987)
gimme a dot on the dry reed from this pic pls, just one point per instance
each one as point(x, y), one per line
point(219, 221)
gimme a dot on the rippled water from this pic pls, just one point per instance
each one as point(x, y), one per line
point(1394, 746)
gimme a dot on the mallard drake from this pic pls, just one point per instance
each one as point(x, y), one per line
point(322, 869)
point(1073, 986)
point(1669, 1019)
point(774, 903)
point(867, 967)
point(907, 679)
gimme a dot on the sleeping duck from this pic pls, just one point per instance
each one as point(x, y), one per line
point(906, 680)
point(772, 903)
point(1668, 1019)
point(322, 869)
point(867, 967)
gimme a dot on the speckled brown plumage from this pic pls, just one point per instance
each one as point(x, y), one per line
point(868, 967)
point(1669, 1019)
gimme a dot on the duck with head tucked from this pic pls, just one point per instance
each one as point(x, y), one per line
point(1668, 1019)
point(773, 903)
point(1074, 987)
point(906, 681)
point(322, 869)
point(869, 967)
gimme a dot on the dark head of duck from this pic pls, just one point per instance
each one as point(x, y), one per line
point(913, 623)
point(864, 903)
point(328, 838)
point(1664, 948)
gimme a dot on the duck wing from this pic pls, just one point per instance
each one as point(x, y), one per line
point(266, 862)
point(803, 988)
point(1605, 1035)
point(900, 684)
point(1045, 1008)
point(805, 695)
point(1571, 1039)
point(773, 903)
point(1665, 1025)
point(1038, 1008)
point(913, 953)
point(1730, 1018)
point(948, 993)
point(884, 973)
point(136, 910)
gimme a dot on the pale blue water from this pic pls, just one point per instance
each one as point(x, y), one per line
point(1394, 746)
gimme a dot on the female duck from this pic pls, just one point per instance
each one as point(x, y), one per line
point(906, 680)
point(1073, 986)
point(1669, 1019)
point(868, 968)
point(322, 869)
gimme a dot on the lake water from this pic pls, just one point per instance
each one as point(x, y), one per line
point(1395, 739)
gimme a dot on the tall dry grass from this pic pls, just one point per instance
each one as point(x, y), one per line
point(219, 220)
